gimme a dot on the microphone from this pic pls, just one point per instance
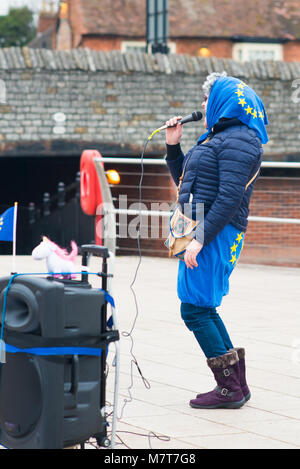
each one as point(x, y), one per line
point(195, 116)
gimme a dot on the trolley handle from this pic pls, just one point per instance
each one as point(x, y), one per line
point(98, 251)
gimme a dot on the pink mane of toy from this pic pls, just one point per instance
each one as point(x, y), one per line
point(63, 253)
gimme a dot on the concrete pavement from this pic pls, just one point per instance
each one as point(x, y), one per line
point(262, 315)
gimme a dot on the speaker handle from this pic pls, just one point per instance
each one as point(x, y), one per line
point(98, 251)
point(75, 376)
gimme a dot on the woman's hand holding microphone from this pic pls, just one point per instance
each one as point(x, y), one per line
point(174, 131)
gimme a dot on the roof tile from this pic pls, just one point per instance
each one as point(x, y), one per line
point(272, 19)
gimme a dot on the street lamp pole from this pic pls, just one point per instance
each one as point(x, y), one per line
point(157, 26)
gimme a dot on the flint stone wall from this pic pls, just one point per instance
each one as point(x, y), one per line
point(113, 101)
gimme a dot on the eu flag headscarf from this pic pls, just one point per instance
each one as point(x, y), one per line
point(232, 98)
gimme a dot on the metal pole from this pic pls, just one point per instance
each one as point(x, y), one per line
point(103, 330)
point(289, 221)
point(162, 162)
point(161, 213)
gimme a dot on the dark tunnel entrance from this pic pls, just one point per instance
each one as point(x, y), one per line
point(26, 180)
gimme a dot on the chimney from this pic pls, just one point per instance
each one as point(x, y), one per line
point(48, 16)
point(64, 33)
point(64, 10)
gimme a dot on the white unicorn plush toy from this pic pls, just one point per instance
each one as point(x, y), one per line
point(58, 260)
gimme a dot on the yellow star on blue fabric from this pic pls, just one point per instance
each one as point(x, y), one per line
point(254, 114)
point(233, 248)
point(261, 114)
point(239, 237)
point(233, 259)
point(242, 102)
point(239, 93)
point(249, 109)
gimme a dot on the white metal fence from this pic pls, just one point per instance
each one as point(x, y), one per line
point(162, 162)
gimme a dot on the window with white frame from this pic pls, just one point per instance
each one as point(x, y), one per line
point(134, 46)
point(246, 51)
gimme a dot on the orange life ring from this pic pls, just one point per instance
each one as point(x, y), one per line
point(90, 190)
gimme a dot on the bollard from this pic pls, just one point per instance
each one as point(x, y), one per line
point(46, 204)
point(61, 195)
point(31, 213)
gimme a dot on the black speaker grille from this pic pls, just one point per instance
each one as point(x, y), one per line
point(20, 395)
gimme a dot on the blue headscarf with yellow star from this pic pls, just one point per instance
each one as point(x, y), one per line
point(232, 98)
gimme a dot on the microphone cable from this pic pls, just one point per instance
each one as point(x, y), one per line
point(129, 334)
point(195, 116)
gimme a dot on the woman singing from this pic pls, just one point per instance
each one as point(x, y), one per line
point(220, 172)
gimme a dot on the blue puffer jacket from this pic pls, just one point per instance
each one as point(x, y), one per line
point(216, 175)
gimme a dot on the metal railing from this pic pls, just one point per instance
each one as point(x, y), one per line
point(162, 162)
point(271, 238)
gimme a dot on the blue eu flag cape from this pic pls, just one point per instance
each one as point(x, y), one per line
point(232, 98)
point(7, 225)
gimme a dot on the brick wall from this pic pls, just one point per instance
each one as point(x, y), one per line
point(274, 243)
point(222, 48)
point(265, 243)
point(218, 47)
point(103, 43)
point(291, 51)
point(46, 21)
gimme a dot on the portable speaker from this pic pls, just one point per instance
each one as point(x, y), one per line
point(52, 401)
